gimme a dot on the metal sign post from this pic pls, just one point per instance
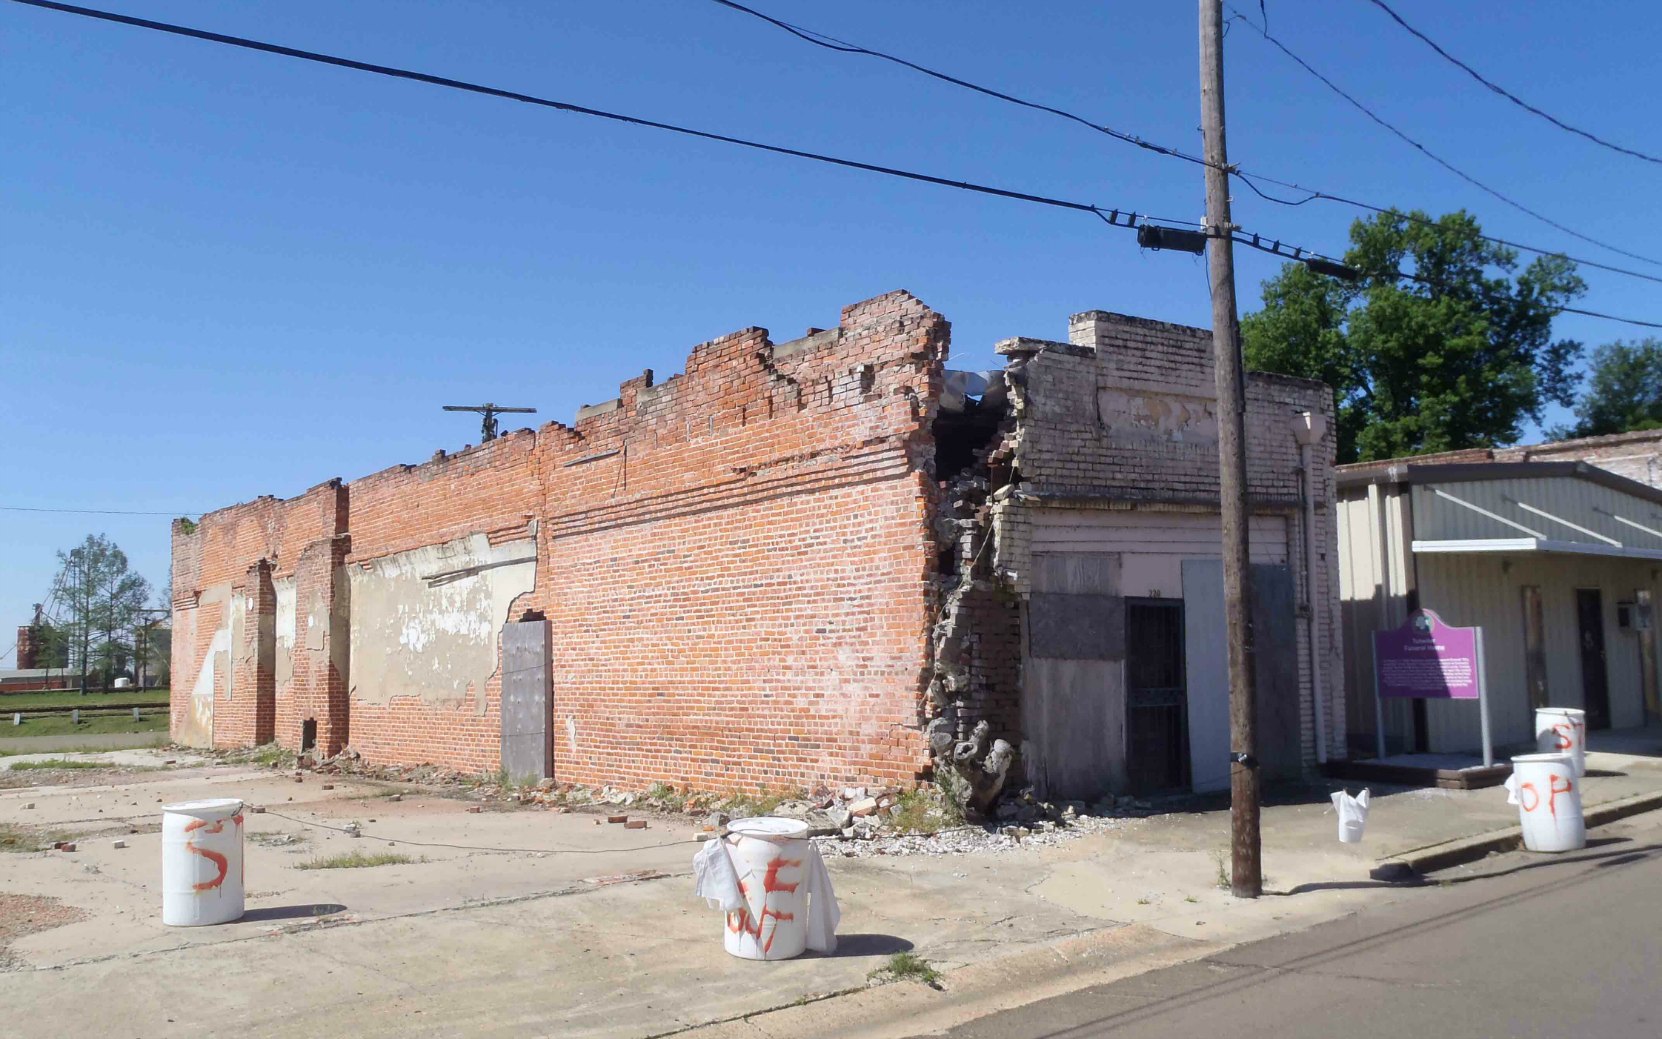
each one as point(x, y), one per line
point(1483, 702)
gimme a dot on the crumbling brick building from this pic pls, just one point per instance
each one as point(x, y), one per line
point(813, 562)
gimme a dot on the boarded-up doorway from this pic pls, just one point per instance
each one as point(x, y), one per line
point(527, 707)
point(1073, 701)
point(1275, 640)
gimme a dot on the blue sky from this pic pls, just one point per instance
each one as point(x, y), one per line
point(225, 274)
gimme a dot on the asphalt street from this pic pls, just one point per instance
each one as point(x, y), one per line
point(1516, 946)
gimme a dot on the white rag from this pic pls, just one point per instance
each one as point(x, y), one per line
point(823, 913)
point(715, 879)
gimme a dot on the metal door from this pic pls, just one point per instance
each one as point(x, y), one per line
point(1157, 739)
point(1595, 683)
point(527, 707)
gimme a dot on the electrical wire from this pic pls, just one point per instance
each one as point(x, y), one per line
point(1422, 149)
point(1301, 255)
point(97, 512)
point(474, 847)
point(832, 43)
point(820, 39)
point(1507, 94)
point(565, 106)
point(1113, 217)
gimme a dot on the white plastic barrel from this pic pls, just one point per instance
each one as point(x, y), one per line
point(202, 862)
point(768, 854)
point(1562, 730)
point(1548, 795)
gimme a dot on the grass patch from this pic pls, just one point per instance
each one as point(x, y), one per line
point(277, 840)
point(89, 702)
point(153, 720)
point(925, 811)
point(907, 966)
point(267, 755)
point(23, 838)
point(763, 802)
point(57, 763)
point(667, 797)
point(358, 860)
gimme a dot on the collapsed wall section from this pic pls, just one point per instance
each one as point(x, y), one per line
point(738, 561)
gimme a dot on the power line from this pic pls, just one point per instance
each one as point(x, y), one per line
point(1113, 217)
point(1317, 260)
point(820, 39)
point(563, 106)
point(1507, 94)
point(100, 512)
point(832, 43)
point(1422, 149)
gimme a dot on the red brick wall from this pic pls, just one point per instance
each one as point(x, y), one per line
point(738, 562)
point(244, 710)
point(737, 566)
point(317, 688)
point(218, 555)
point(493, 489)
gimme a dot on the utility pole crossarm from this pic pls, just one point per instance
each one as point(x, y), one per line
point(490, 411)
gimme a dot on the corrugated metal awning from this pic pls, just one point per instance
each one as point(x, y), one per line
point(1545, 545)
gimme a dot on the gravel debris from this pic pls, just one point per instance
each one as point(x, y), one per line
point(22, 915)
point(967, 840)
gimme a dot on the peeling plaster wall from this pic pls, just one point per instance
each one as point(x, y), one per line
point(435, 640)
point(240, 553)
point(284, 629)
point(213, 674)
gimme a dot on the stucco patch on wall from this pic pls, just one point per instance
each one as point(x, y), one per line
point(285, 625)
point(214, 674)
point(425, 623)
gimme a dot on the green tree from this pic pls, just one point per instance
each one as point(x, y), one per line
point(1460, 354)
point(101, 599)
point(1623, 393)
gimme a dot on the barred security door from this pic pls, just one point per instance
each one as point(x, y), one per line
point(1157, 736)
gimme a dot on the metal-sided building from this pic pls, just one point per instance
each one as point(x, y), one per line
point(1558, 562)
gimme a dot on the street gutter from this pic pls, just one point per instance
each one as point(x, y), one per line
point(1461, 850)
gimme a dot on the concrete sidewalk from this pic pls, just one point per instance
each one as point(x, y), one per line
point(572, 927)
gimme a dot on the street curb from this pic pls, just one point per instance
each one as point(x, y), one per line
point(894, 1010)
point(1462, 850)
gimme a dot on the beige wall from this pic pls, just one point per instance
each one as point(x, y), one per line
point(1486, 590)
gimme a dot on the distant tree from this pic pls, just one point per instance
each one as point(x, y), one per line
point(1624, 392)
point(101, 599)
point(156, 640)
point(52, 646)
point(1460, 355)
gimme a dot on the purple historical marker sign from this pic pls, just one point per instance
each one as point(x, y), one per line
point(1427, 659)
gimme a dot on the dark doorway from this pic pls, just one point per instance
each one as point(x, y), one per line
point(308, 734)
point(1156, 723)
point(1595, 682)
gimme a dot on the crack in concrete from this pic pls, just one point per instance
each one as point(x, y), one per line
point(323, 923)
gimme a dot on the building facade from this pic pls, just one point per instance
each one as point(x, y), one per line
point(828, 560)
point(1559, 562)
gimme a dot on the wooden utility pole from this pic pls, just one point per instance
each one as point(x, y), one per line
point(1246, 877)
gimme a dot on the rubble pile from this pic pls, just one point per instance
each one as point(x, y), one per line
point(849, 821)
